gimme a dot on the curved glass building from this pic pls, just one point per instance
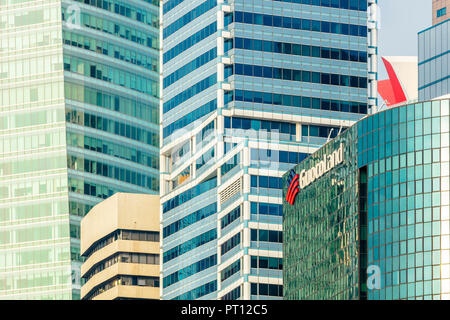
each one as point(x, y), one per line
point(368, 213)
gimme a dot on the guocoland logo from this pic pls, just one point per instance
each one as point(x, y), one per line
point(297, 182)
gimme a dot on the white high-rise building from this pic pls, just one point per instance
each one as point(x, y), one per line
point(250, 89)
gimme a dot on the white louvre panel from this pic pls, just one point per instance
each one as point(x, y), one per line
point(231, 191)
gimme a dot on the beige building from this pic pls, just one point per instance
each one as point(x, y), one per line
point(120, 243)
point(441, 11)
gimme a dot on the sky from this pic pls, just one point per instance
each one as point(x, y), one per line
point(400, 21)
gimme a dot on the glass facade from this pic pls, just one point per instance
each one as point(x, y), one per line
point(249, 88)
point(79, 99)
point(434, 61)
point(379, 229)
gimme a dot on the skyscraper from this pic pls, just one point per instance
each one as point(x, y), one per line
point(371, 217)
point(249, 89)
point(78, 122)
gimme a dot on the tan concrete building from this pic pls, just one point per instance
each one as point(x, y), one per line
point(120, 243)
point(441, 11)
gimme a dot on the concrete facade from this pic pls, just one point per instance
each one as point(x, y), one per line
point(120, 241)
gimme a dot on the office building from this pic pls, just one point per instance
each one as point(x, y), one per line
point(79, 121)
point(440, 10)
point(249, 88)
point(367, 215)
point(120, 241)
point(434, 66)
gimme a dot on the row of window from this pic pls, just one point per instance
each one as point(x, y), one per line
point(402, 146)
point(321, 131)
point(169, 5)
point(122, 257)
point(405, 114)
point(422, 247)
point(264, 289)
point(271, 209)
point(389, 197)
point(298, 101)
point(121, 234)
point(419, 129)
point(117, 29)
point(190, 92)
point(132, 107)
point(189, 118)
point(111, 50)
point(295, 101)
point(100, 190)
point(234, 294)
point(122, 280)
point(230, 270)
point(86, 119)
point(189, 194)
point(126, 10)
point(112, 75)
point(190, 245)
point(110, 171)
point(266, 182)
point(190, 219)
point(198, 292)
point(190, 270)
point(255, 124)
point(300, 50)
point(40, 162)
point(113, 149)
point(30, 117)
point(266, 262)
point(278, 156)
point(91, 188)
point(300, 24)
point(30, 233)
point(266, 235)
point(419, 168)
point(188, 17)
point(230, 243)
point(189, 67)
point(300, 76)
point(419, 290)
point(189, 42)
point(358, 5)
point(230, 217)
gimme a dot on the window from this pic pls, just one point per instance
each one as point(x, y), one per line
point(442, 12)
point(190, 245)
point(266, 235)
point(231, 243)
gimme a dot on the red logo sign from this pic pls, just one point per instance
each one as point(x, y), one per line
point(293, 187)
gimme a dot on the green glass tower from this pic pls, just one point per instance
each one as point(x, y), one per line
point(367, 216)
point(79, 98)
